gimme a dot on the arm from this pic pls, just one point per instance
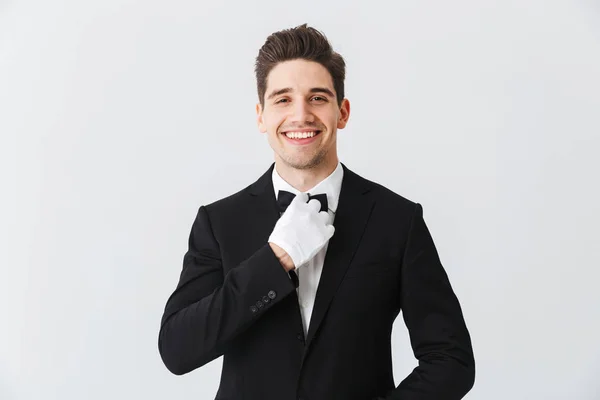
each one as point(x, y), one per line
point(208, 309)
point(438, 334)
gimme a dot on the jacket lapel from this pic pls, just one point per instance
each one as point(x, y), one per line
point(354, 209)
point(265, 212)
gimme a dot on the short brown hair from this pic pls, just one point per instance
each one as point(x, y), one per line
point(301, 42)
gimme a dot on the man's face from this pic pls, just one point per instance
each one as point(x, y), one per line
point(300, 101)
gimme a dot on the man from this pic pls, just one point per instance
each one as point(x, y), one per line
point(297, 279)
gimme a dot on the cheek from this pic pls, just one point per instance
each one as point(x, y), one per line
point(329, 118)
point(272, 122)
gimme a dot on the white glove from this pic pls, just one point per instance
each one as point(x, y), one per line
point(302, 230)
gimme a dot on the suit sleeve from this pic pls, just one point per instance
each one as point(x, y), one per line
point(209, 309)
point(438, 333)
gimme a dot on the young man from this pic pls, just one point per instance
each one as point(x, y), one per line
point(299, 292)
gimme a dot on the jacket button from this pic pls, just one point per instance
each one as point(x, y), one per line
point(265, 299)
point(259, 304)
point(300, 337)
point(272, 294)
point(253, 309)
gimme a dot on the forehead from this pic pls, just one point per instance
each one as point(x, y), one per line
point(299, 75)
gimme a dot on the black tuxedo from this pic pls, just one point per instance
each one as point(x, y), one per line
point(235, 299)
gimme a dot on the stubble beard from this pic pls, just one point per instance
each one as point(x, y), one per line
point(303, 162)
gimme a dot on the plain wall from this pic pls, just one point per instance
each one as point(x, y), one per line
point(119, 118)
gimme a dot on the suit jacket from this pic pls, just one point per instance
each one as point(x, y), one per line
point(234, 299)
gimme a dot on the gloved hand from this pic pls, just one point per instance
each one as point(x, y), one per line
point(302, 230)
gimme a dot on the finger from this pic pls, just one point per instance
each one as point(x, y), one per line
point(314, 205)
point(301, 198)
point(323, 217)
point(329, 230)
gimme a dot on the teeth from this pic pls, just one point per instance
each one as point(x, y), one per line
point(300, 135)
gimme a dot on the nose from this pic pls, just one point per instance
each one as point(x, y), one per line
point(301, 113)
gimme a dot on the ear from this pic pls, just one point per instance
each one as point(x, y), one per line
point(259, 119)
point(344, 114)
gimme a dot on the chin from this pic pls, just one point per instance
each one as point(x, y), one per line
point(303, 163)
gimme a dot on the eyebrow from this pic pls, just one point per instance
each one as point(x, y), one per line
point(312, 90)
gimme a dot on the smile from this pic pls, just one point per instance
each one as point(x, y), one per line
point(301, 137)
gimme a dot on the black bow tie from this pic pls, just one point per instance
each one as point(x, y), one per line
point(284, 198)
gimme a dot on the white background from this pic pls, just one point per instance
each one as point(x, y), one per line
point(119, 118)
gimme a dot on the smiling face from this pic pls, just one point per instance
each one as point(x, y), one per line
point(301, 115)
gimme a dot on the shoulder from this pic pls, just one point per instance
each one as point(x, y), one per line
point(384, 195)
point(233, 200)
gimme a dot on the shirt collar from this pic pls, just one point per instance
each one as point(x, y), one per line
point(331, 185)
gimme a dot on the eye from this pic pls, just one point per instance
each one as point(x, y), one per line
point(280, 100)
point(319, 98)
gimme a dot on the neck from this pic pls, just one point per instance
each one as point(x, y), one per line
point(304, 179)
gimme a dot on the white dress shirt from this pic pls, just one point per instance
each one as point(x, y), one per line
point(309, 273)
